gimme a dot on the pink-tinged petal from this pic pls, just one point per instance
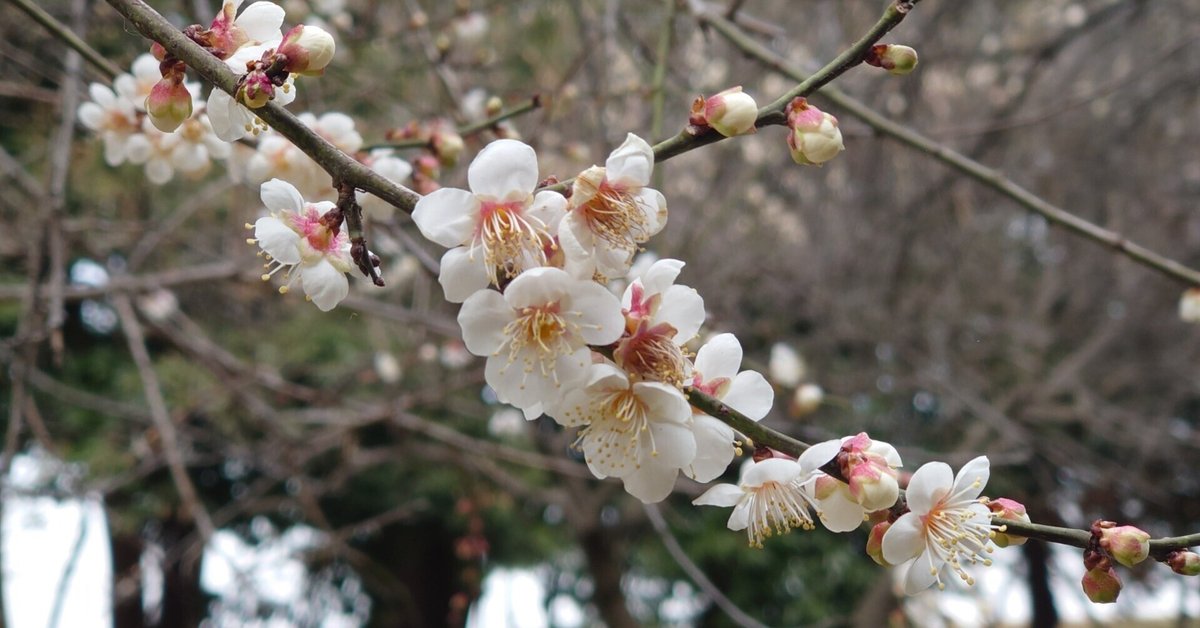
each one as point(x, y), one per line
point(888, 452)
point(92, 116)
point(904, 539)
point(714, 449)
point(669, 445)
point(505, 170)
point(261, 21)
point(278, 240)
point(602, 322)
point(539, 286)
point(751, 394)
point(631, 163)
point(739, 519)
point(460, 275)
point(664, 403)
point(922, 574)
point(660, 276)
point(325, 284)
point(683, 308)
point(654, 206)
point(724, 495)
point(818, 455)
point(280, 196)
point(651, 484)
point(482, 318)
point(549, 208)
point(971, 479)
point(928, 485)
point(778, 470)
point(447, 216)
point(839, 514)
point(721, 356)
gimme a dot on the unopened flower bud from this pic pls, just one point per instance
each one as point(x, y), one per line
point(807, 399)
point(1008, 509)
point(158, 51)
point(447, 145)
point(875, 543)
point(308, 49)
point(815, 137)
point(1189, 306)
point(256, 90)
point(1127, 545)
point(169, 103)
point(731, 112)
point(869, 469)
point(898, 60)
point(1184, 563)
point(493, 107)
point(1102, 585)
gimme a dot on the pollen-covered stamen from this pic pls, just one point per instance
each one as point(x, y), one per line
point(775, 509)
point(510, 239)
point(539, 335)
point(616, 427)
point(611, 212)
point(650, 353)
point(957, 535)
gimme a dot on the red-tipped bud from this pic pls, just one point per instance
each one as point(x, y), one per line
point(1126, 544)
point(1184, 563)
point(875, 543)
point(869, 469)
point(731, 112)
point(1008, 509)
point(308, 49)
point(169, 103)
point(1102, 585)
point(256, 90)
point(815, 137)
point(898, 60)
point(157, 51)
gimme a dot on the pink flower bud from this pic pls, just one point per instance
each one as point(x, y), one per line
point(1102, 585)
point(308, 49)
point(898, 60)
point(815, 137)
point(869, 471)
point(1008, 509)
point(875, 543)
point(169, 103)
point(731, 112)
point(1127, 545)
point(256, 90)
point(1184, 563)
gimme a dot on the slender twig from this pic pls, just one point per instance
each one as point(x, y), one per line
point(162, 418)
point(339, 165)
point(989, 177)
point(658, 92)
point(693, 571)
point(136, 283)
point(467, 130)
point(59, 30)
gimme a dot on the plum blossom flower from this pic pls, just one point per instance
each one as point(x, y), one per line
point(296, 236)
point(115, 118)
point(716, 374)
point(612, 212)
point(535, 335)
point(870, 466)
point(773, 495)
point(276, 157)
point(229, 32)
point(947, 525)
point(231, 120)
point(393, 168)
point(497, 229)
point(660, 317)
point(636, 431)
point(190, 150)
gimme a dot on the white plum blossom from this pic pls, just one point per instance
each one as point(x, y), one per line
point(260, 22)
point(716, 374)
point(295, 237)
point(496, 230)
point(947, 525)
point(612, 212)
point(636, 431)
point(536, 335)
point(232, 120)
point(393, 168)
point(115, 118)
point(276, 157)
point(775, 495)
point(189, 150)
point(660, 317)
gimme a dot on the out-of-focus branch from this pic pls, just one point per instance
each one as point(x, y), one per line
point(989, 177)
point(340, 166)
point(60, 30)
point(467, 130)
point(138, 283)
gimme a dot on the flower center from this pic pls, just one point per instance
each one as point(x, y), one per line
point(612, 214)
point(511, 241)
point(954, 536)
point(539, 335)
point(620, 419)
point(650, 353)
point(775, 509)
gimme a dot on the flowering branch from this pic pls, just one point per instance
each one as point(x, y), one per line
point(338, 164)
point(988, 176)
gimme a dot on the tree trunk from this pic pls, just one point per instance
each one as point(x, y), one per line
point(127, 580)
point(604, 562)
point(1037, 554)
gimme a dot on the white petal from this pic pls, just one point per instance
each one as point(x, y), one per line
point(660, 276)
point(190, 157)
point(888, 452)
point(651, 484)
point(672, 445)
point(928, 485)
point(539, 286)
point(572, 410)
point(261, 21)
point(740, 517)
point(663, 402)
point(921, 574)
point(138, 148)
point(158, 171)
point(839, 514)
point(115, 149)
point(904, 539)
point(228, 118)
point(683, 308)
point(654, 207)
point(714, 449)
point(504, 170)
point(280, 196)
point(278, 240)
point(102, 95)
point(779, 470)
point(751, 394)
point(549, 208)
point(460, 275)
point(818, 455)
point(578, 246)
point(482, 318)
point(631, 163)
point(91, 115)
point(447, 216)
point(720, 495)
point(971, 479)
point(326, 285)
point(602, 320)
point(721, 356)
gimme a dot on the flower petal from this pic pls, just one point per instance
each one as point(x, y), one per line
point(839, 514)
point(721, 356)
point(751, 394)
point(714, 449)
point(816, 456)
point(326, 285)
point(261, 21)
point(602, 322)
point(780, 470)
point(460, 275)
point(683, 308)
point(725, 495)
point(631, 163)
point(279, 240)
point(904, 539)
point(670, 445)
point(505, 170)
point(482, 318)
point(651, 484)
point(447, 216)
point(971, 479)
point(279, 195)
point(921, 574)
point(928, 485)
